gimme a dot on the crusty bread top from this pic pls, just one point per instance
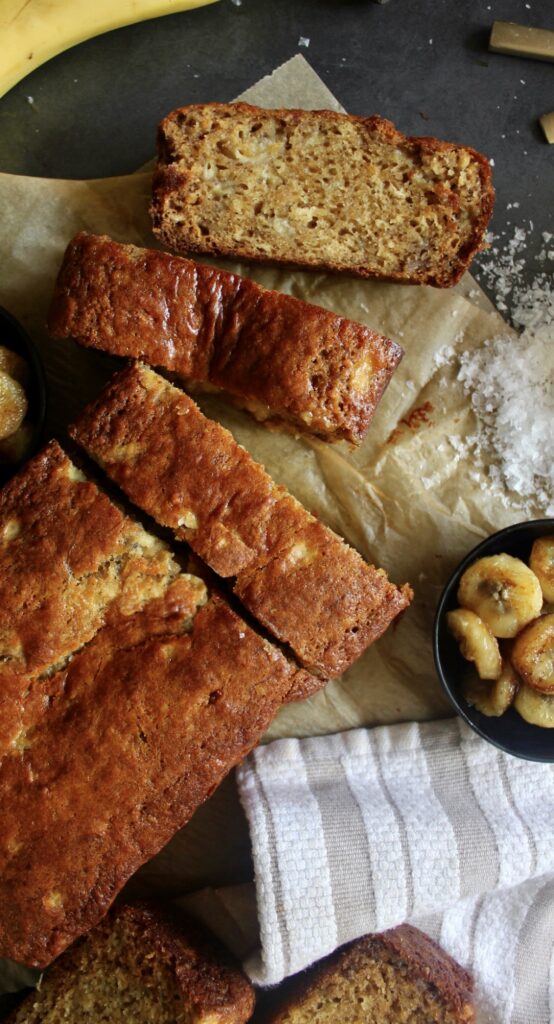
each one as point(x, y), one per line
point(116, 752)
point(69, 559)
point(285, 360)
point(301, 581)
point(319, 189)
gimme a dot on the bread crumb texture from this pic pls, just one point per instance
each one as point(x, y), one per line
point(141, 966)
point(320, 189)
point(398, 977)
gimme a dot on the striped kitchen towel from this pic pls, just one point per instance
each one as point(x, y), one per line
point(423, 822)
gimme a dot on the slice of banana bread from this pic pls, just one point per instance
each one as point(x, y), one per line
point(286, 361)
point(115, 753)
point(70, 562)
point(141, 965)
point(299, 579)
point(397, 977)
point(319, 189)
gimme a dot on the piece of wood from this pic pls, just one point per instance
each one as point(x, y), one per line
point(547, 125)
point(522, 40)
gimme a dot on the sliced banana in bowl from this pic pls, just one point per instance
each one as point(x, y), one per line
point(534, 707)
point(533, 654)
point(503, 591)
point(476, 642)
point(541, 561)
point(508, 595)
point(493, 699)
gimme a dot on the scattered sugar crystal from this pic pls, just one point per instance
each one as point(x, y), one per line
point(304, 41)
point(237, 3)
point(30, 99)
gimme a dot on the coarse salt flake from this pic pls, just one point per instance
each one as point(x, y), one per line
point(511, 384)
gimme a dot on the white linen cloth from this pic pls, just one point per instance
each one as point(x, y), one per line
point(425, 822)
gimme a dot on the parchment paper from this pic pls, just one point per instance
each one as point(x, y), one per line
point(408, 499)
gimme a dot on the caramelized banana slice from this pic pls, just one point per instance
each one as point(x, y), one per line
point(503, 591)
point(12, 364)
point(536, 708)
point(13, 405)
point(493, 699)
point(476, 642)
point(542, 564)
point(533, 654)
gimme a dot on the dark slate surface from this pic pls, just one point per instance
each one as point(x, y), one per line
point(424, 65)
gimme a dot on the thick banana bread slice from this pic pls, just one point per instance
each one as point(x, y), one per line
point(115, 753)
point(297, 577)
point(396, 977)
point(70, 562)
point(288, 362)
point(319, 189)
point(141, 965)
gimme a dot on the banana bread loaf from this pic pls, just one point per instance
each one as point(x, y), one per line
point(319, 189)
point(141, 965)
point(300, 580)
point(115, 753)
point(286, 361)
point(397, 977)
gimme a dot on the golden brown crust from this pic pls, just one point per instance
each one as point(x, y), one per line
point(405, 947)
point(295, 575)
point(173, 182)
point(295, 362)
point(70, 561)
point(126, 742)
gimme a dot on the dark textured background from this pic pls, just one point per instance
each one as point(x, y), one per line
point(423, 64)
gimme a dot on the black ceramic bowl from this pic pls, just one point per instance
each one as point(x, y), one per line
point(14, 337)
point(510, 732)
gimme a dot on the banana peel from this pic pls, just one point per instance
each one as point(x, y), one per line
point(33, 31)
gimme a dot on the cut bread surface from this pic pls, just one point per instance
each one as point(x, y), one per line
point(141, 965)
point(319, 189)
point(397, 977)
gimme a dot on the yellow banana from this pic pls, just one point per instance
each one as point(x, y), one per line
point(33, 31)
point(542, 564)
point(503, 592)
point(533, 654)
point(476, 642)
